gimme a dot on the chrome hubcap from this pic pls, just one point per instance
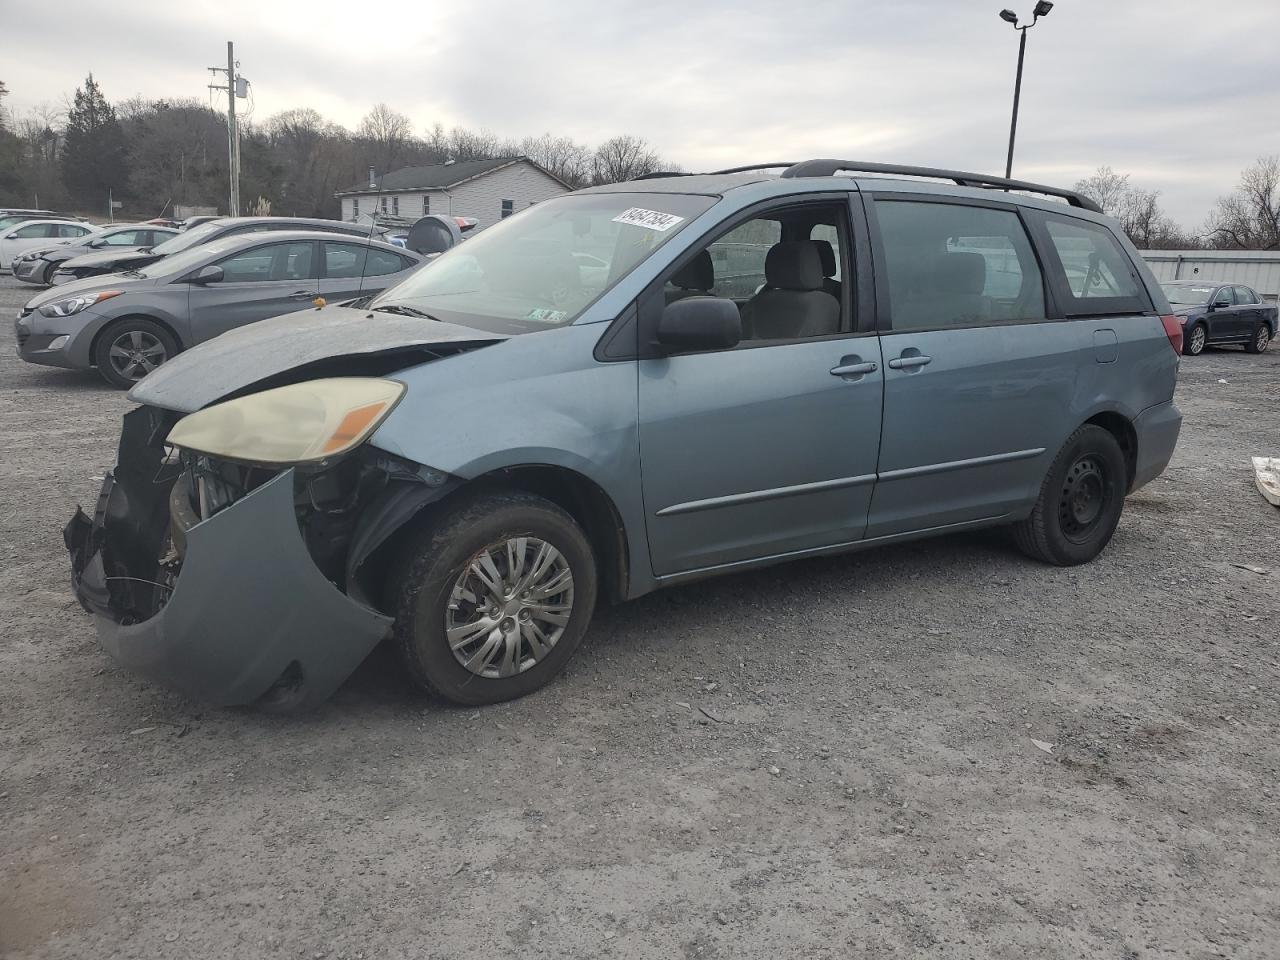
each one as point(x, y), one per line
point(509, 607)
point(135, 354)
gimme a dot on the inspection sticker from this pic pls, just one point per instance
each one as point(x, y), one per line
point(650, 219)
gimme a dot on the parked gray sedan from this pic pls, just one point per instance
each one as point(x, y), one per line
point(128, 324)
point(38, 266)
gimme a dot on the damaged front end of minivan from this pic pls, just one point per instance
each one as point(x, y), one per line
point(234, 578)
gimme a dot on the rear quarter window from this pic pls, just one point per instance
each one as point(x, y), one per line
point(1091, 272)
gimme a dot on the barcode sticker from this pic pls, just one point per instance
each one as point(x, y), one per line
point(649, 219)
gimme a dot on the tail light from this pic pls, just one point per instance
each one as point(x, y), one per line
point(1173, 330)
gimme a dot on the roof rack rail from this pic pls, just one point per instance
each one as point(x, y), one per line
point(753, 166)
point(659, 174)
point(829, 168)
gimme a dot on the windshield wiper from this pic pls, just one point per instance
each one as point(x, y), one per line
point(404, 310)
point(132, 273)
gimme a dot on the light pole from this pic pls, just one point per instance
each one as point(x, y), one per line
point(1008, 16)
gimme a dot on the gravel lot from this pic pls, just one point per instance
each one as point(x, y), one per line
point(829, 759)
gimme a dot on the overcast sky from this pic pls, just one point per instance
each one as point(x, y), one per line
point(1181, 94)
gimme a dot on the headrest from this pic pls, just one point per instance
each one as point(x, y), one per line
point(960, 273)
point(793, 265)
point(827, 256)
point(698, 274)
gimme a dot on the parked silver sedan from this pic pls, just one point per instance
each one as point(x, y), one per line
point(38, 266)
point(127, 324)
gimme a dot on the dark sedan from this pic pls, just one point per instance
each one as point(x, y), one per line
point(97, 264)
point(1215, 313)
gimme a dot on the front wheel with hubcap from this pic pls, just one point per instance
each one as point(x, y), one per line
point(1080, 500)
point(494, 598)
point(1260, 340)
point(130, 349)
point(1196, 340)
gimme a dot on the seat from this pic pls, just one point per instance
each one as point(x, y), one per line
point(793, 304)
point(827, 254)
point(694, 279)
point(949, 294)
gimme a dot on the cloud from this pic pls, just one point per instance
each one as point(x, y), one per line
point(1179, 100)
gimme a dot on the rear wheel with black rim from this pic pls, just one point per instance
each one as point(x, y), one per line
point(1080, 500)
point(494, 598)
point(1196, 340)
point(1260, 340)
point(130, 349)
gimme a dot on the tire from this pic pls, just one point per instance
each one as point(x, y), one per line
point(1080, 501)
point(1260, 339)
point(441, 584)
point(144, 339)
point(1196, 341)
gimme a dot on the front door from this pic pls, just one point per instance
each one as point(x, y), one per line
point(1226, 322)
point(768, 448)
point(264, 281)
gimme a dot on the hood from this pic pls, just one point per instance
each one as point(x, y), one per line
point(111, 261)
point(331, 341)
point(89, 285)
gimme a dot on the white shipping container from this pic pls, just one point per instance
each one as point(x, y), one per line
point(1259, 269)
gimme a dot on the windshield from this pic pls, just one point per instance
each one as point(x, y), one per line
point(184, 241)
point(544, 266)
point(185, 260)
point(1187, 294)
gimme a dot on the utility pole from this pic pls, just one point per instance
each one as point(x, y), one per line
point(233, 130)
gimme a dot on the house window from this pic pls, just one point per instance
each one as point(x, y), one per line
point(355, 208)
point(395, 206)
point(426, 204)
point(383, 203)
point(508, 207)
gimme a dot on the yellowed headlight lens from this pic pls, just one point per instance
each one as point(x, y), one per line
point(301, 423)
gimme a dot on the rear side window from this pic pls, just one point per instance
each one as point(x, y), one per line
point(954, 265)
point(1094, 275)
point(382, 262)
point(1245, 295)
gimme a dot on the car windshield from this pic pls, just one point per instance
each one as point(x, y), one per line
point(1187, 294)
point(187, 240)
point(528, 272)
point(181, 262)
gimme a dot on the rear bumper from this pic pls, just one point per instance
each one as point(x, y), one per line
point(1157, 429)
point(247, 608)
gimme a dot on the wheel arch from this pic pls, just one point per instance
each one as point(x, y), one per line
point(1121, 427)
point(578, 495)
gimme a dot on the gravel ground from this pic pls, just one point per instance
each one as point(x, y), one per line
point(829, 759)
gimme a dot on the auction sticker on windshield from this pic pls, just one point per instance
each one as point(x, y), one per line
point(649, 219)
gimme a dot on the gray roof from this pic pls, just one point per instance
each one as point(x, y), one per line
point(438, 176)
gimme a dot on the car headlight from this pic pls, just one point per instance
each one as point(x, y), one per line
point(307, 422)
point(69, 305)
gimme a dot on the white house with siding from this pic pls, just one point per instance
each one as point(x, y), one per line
point(485, 189)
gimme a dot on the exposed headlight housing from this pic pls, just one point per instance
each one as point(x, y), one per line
point(304, 423)
point(69, 305)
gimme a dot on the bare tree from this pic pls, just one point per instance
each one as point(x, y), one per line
point(389, 133)
point(1137, 210)
point(1106, 188)
point(623, 158)
point(1249, 219)
point(562, 156)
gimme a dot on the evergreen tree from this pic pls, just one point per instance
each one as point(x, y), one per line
point(93, 156)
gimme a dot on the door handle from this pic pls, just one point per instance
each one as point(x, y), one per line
point(910, 363)
point(302, 295)
point(854, 369)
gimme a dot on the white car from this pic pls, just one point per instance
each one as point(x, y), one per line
point(37, 233)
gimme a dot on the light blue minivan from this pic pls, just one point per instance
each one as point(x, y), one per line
point(755, 367)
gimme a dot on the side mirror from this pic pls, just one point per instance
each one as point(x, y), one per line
point(700, 323)
point(210, 273)
point(1221, 304)
point(96, 244)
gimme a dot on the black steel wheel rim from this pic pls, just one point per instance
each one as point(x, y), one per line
point(135, 353)
point(1085, 497)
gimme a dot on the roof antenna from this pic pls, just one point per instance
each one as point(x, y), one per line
point(373, 226)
